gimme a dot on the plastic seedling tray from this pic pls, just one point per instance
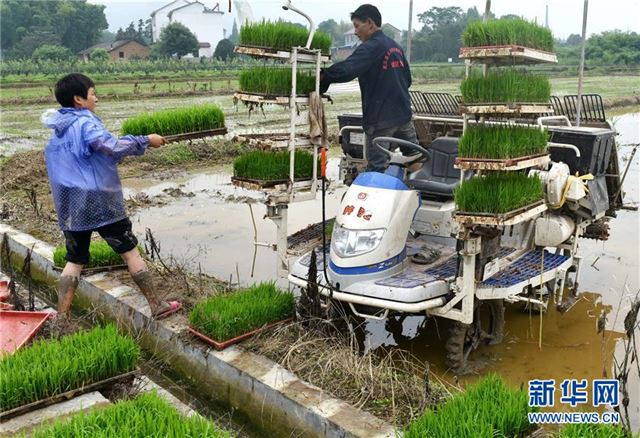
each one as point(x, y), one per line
point(103, 384)
point(18, 328)
point(95, 270)
point(224, 344)
point(512, 217)
point(5, 306)
point(252, 183)
point(502, 164)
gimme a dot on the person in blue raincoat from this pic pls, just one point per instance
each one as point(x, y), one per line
point(82, 158)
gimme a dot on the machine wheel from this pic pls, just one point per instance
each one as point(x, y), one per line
point(487, 328)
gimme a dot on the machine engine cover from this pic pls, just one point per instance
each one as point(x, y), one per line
point(552, 230)
point(376, 201)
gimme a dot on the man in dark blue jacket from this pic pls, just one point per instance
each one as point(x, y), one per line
point(384, 77)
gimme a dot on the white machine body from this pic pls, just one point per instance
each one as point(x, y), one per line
point(553, 230)
point(372, 224)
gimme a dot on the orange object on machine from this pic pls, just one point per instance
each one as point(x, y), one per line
point(323, 162)
point(17, 328)
point(4, 290)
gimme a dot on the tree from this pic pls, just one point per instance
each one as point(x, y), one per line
point(107, 37)
point(331, 28)
point(31, 41)
point(50, 52)
point(176, 39)
point(99, 55)
point(437, 18)
point(75, 24)
point(224, 50)
point(574, 40)
point(235, 35)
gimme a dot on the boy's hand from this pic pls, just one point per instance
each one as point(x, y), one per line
point(155, 140)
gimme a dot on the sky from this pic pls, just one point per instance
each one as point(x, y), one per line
point(565, 16)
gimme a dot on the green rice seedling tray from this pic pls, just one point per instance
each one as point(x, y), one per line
point(258, 184)
point(507, 55)
point(504, 164)
point(303, 54)
point(516, 108)
point(512, 217)
point(270, 99)
point(229, 342)
point(97, 269)
point(39, 404)
point(195, 135)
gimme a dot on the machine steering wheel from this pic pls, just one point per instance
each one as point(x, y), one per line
point(401, 159)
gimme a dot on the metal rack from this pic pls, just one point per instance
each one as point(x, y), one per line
point(281, 193)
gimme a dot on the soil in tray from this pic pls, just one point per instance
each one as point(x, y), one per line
point(229, 342)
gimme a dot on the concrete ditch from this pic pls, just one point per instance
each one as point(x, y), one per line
point(266, 394)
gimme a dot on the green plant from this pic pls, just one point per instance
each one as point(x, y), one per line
point(145, 416)
point(282, 35)
point(175, 121)
point(593, 431)
point(47, 368)
point(100, 254)
point(226, 316)
point(506, 85)
point(275, 80)
point(501, 141)
point(498, 192)
point(270, 166)
point(486, 409)
point(507, 31)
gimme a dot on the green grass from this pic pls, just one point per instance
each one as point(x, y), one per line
point(276, 80)
point(271, 166)
point(498, 192)
point(47, 368)
point(148, 415)
point(175, 121)
point(100, 254)
point(593, 431)
point(226, 316)
point(505, 85)
point(501, 141)
point(282, 35)
point(507, 31)
point(488, 408)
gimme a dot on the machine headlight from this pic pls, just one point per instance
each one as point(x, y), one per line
point(349, 243)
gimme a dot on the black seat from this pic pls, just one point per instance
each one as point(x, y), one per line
point(438, 177)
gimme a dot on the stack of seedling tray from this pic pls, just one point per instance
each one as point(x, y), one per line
point(280, 80)
point(500, 142)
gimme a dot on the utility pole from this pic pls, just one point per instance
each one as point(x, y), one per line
point(487, 11)
point(546, 16)
point(408, 54)
point(581, 73)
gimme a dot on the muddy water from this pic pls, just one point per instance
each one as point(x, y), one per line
point(213, 232)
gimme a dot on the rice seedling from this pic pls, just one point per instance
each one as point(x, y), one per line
point(593, 431)
point(224, 317)
point(273, 166)
point(276, 81)
point(145, 416)
point(175, 121)
point(48, 368)
point(498, 192)
point(501, 141)
point(100, 254)
point(282, 35)
point(507, 31)
point(486, 409)
point(505, 85)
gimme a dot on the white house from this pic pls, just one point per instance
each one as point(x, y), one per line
point(206, 23)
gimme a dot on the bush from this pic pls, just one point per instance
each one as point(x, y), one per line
point(49, 52)
point(99, 55)
point(224, 50)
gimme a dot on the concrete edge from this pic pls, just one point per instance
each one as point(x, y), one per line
point(268, 395)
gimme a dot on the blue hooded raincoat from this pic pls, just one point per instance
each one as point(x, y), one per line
point(82, 158)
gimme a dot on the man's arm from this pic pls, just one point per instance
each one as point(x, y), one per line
point(358, 63)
